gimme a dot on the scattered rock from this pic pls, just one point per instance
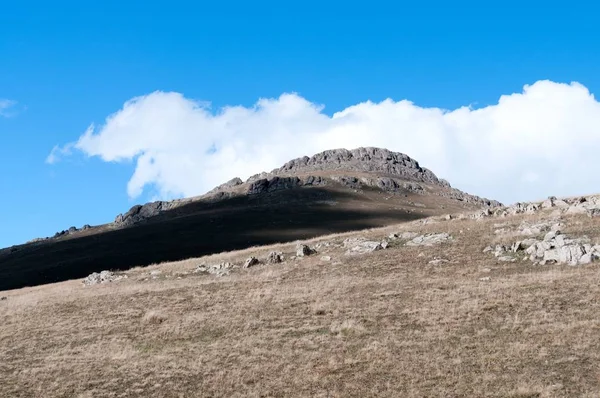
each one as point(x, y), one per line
point(3, 298)
point(220, 269)
point(102, 277)
point(361, 245)
point(429, 239)
point(250, 261)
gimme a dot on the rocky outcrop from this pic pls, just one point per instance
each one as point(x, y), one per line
point(102, 277)
point(362, 245)
point(554, 248)
point(429, 239)
point(370, 160)
point(274, 184)
point(142, 212)
point(589, 205)
point(221, 269)
point(234, 182)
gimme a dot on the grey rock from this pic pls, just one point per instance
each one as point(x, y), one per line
point(274, 184)
point(250, 261)
point(139, 213)
point(315, 180)
point(361, 246)
point(96, 278)
point(275, 258)
point(429, 239)
point(551, 235)
point(304, 250)
point(220, 269)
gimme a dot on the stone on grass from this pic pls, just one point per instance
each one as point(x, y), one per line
point(429, 239)
point(250, 261)
point(275, 257)
point(304, 250)
point(102, 277)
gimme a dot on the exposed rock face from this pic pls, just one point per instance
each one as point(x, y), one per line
point(274, 184)
point(363, 160)
point(141, 212)
point(234, 182)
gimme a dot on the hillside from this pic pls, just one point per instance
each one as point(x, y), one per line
point(495, 303)
point(331, 192)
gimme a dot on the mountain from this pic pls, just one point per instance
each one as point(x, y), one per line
point(333, 191)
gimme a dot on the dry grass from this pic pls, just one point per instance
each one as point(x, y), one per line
point(383, 324)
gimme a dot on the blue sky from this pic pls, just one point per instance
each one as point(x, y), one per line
point(70, 64)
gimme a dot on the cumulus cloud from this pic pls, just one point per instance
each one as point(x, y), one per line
point(6, 107)
point(539, 142)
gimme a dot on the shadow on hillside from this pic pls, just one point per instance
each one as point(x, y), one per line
point(195, 230)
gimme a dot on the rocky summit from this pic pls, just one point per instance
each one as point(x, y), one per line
point(333, 191)
point(359, 168)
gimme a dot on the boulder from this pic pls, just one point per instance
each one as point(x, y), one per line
point(304, 250)
point(275, 257)
point(250, 261)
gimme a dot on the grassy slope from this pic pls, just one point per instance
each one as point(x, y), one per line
point(382, 324)
point(199, 229)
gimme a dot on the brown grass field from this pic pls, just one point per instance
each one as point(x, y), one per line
point(383, 324)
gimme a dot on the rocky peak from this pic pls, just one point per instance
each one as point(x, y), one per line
point(392, 172)
point(363, 160)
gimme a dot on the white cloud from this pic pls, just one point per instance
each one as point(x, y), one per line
point(542, 141)
point(5, 107)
